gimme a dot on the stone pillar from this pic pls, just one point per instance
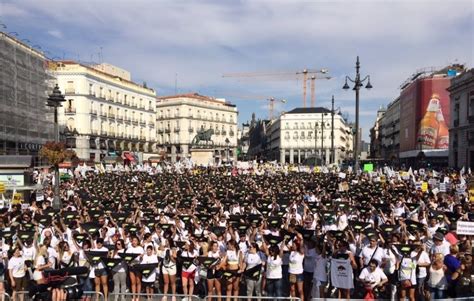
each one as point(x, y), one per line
point(173, 154)
point(185, 150)
point(299, 156)
point(282, 156)
point(292, 156)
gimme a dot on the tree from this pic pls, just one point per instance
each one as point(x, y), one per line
point(56, 153)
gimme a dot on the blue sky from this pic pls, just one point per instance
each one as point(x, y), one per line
point(202, 40)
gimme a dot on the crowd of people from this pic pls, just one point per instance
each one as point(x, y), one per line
point(226, 232)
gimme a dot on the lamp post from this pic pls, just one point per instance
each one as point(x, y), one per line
point(315, 141)
point(322, 136)
point(54, 101)
point(358, 82)
point(227, 142)
point(332, 158)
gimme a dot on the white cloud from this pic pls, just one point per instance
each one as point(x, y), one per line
point(201, 40)
point(55, 33)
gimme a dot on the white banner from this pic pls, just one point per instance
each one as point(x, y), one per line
point(465, 228)
point(341, 273)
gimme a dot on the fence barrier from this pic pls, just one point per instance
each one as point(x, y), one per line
point(152, 297)
point(92, 296)
point(246, 298)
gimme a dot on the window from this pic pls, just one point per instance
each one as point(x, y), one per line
point(302, 135)
point(70, 87)
point(295, 135)
point(91, 89)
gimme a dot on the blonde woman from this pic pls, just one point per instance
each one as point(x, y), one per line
point(437, 282)
point(41, 263)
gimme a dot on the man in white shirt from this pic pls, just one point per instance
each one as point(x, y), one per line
point(372, 251)
point(372, 276)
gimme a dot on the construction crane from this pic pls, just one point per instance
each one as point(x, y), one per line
point(271, 101)
point(304, 76)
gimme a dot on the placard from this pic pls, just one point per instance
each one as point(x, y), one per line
point(369, 167)
point(12, 179)
point(442, 187)
point(424, 186)
point(465, 228)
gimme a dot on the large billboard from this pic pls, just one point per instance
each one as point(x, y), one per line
point(424, 115)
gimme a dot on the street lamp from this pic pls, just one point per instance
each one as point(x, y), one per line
point(322, 136)
point(227, 142)
point(358, 83)
point(54, 101)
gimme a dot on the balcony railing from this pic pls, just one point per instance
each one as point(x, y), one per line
point(70, 91)
point(69, 111)
point(112, 116)
point(176, 130)
point(191, 129)
point(151, 125)
point(143, 137)
point(94, 112)
point(217, 132)
point(224, 133)
point(160, 131)
point(167, 131)
point(142, 123)
point(94, 132)
point(103, 114)
point(135, 121)
point(470, 118)
point(231, 133)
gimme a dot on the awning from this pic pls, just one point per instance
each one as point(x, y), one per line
point(112, 159)
point(129, 157)
point(154, 159)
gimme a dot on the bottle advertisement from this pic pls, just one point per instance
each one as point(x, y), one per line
point(433, 125)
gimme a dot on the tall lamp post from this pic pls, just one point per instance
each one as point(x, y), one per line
point(358, 83)
point(54, 101)
point(227, 142)
point(315, 141)
point(322, 137)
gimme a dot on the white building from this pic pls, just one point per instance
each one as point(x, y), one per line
point(111, 114)
point(180, 117)
point(304, 132)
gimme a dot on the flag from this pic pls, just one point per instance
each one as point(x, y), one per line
point(461, 172)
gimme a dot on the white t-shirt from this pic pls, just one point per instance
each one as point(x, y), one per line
point(368, 253)
point(252, 260)
point(374, 277)
point(17, 267)
point(146, 260)
point(408, 269)
point(29, 253)
point(192, 254)
point(424, 258)
point(274, 268)
point(443, 248)
point(296, 263)
point(135, 250)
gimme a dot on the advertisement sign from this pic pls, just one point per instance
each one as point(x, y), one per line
point(465, 228)
point(369, 167)
point(12, 179)
point(425, 115)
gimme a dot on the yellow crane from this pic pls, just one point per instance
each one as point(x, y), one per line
point(303, 75)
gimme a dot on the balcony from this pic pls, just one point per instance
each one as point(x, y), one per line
point(160, 131)
point(224, 133)
point(151, 125)
point(456, 123)
point(70, 91)
point(143, 137)
point(471, 140)
point(135, 121)
point(176, 130)
point(93, 113)
point(217, 132)
point(94, 133)
point(231, 133)
point(92, 143)
point(167, 131)
point(142, 123)
point(112, 116)
point(70, 111)
point(103, 114)
point(470, 118)
point(191, 130)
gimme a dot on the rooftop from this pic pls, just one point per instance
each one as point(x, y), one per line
point(198, 97)
point(317, 110)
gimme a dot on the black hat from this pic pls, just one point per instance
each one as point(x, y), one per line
point(91, 227)
point(128, 257)
point(272, 239)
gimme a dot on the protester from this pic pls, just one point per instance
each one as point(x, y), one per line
point(268, 230)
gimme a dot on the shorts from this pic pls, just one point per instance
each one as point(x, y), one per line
point(213, 274)
point(20, 284)
point(295, 278)
point(170, 270)
point(100, 272)
point(147, 284)
point(188, 275)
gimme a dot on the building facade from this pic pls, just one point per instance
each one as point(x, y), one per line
point(26, 122)
point(390, 132)
point(376, 136)
point(461, 128)
point(107, 113)
point(306, 132)
point(180, 117)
